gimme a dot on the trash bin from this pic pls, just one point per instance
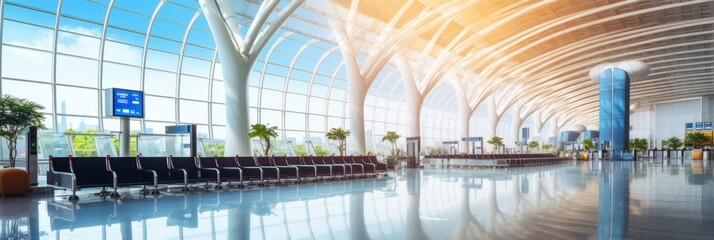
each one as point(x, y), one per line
point(706, 154)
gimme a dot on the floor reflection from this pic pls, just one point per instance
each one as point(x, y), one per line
point(598, 199)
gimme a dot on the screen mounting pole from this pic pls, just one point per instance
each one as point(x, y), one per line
point(124, 136)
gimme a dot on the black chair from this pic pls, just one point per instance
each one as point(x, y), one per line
point(250, 173)
point(337, 169)
point(162, 168)
point(268, 173)
point(322, 170)
point(304, 170)
point(367, 167)
point(126, 171)
point(379, 167)
point(193, 173)
point(354, 167)
point(76, 173)
point(285, 171)
point(225, 173)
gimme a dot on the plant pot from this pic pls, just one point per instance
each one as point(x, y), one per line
point(391, 162)
point(585, 156)
point(697, 154)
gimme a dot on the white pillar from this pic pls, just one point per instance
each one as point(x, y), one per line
point(553, 131)
point(537, 126)
point(516, 123)
point(357, 93)
point(465, 113)
point(235, 73)
point(492, 119)
point(414, 97)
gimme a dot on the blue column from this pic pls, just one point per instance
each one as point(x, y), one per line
point(614, 109)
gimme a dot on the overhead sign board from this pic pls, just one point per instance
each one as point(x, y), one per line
point(689, 126)
point(177, 129)
point(472, 139)
point(698, 126)
point(708, 126)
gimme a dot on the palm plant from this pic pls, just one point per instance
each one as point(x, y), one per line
point(533, 145)
point(392, 138)
point(674, 143)
point(264, 133)
point(547, 147)
point(496, 142)
point(639, 144)
point(17, 114)
point(588, 144)
point(698, 139)
point(340, 135)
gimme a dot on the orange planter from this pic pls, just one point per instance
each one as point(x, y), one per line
point(697, 154)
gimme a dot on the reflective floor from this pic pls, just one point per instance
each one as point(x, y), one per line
point(670, 199)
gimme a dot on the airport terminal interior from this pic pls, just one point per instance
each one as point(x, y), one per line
point(356, 119)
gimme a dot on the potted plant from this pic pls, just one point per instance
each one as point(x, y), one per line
point(674, 143)
point(17, 114)
point(697, 140)
point(547, 147)
point(392, 138)
point(587, 144)
point(264, 133)
point(533, 145)
point(340, 135)
point(637, 144)
point(496, 141)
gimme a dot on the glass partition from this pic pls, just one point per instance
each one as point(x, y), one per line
point(256, 147)
point(282, 148)
point(54, 144)
point(211, 147)
point(159, 145)
point(105, 146)
point(278, 147)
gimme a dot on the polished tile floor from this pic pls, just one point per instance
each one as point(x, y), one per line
point(670, 199)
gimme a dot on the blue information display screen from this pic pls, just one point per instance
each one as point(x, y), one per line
point(128, 103)
point(707, 125)
point(689, 126)
point(698, 126)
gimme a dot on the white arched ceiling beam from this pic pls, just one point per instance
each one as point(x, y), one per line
point(460, 43)
point(501, 57)
point(542, 86)
point(566, 55)
point(562, 32)
point(487, 54)
point(575, 67)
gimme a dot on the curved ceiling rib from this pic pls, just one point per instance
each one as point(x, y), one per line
point(543, 50)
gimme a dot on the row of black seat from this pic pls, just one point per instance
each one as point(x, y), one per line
point(492, 156)
point(83, 172)
point(495, 160)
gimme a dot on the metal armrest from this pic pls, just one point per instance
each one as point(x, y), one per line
point(149, 174)
point(178, 174)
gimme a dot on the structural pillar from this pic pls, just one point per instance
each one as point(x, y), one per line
point(516, 123)
point(492, 118)
point(614, 80)
point(537, 126)
point(464, 117)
